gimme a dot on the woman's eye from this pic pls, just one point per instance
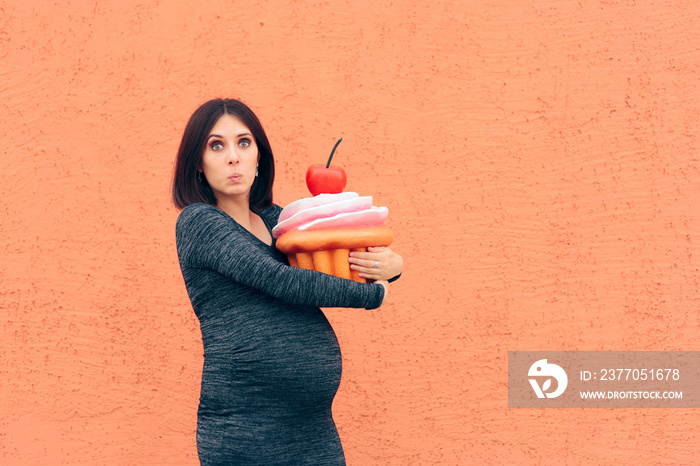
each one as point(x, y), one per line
point(245, 142)
point(217, 146)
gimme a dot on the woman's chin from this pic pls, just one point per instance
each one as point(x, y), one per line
point(236, 192)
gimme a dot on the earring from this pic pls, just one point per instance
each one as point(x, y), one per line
point(199, 176)
point(256, 172)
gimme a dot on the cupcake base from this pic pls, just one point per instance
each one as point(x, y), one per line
point(327, 251)
point(333, 262)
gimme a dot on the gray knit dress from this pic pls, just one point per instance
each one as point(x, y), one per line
point(272, 362)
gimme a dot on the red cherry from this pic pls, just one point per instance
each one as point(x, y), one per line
point(329, 179)
point(320, 180)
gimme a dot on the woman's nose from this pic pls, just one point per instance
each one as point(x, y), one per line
point(233, 157)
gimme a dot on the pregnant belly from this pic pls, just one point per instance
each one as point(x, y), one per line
point(284, 360)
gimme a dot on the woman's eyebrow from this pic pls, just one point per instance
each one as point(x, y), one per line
point(219, 136)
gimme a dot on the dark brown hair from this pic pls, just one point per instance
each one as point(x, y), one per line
point(187, 189)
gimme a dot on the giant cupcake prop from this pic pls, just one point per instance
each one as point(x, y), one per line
point(318, 233)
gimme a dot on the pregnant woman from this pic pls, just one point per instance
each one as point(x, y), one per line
point(272, 364)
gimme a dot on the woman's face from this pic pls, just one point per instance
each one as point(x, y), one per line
point(230, 158)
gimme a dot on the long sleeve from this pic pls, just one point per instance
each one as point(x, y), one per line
point(208, 238)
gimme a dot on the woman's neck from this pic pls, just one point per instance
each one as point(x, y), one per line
point(238, 209)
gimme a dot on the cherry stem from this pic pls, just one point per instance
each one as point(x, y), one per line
point(333, 152)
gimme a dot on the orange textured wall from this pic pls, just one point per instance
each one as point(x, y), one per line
point(539, 159)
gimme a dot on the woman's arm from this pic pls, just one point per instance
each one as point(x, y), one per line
point(209, 239)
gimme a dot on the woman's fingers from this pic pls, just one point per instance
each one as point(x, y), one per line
point(369, 255)
point(366, 272)
point(377, 263)
point(379, 253)
point(368, 264)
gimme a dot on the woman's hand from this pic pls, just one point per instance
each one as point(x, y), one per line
point(378, 263)
point(385, 284)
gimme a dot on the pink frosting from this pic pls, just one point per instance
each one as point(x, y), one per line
point(343, 210)
point(309, 202)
